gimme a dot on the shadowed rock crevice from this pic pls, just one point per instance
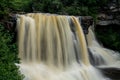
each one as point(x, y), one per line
point(113, 73)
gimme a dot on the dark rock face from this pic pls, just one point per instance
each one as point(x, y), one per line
point(110, 13)
point(111, 72)
point(86, 22)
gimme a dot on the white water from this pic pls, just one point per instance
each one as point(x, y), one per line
point(49, 49)
point(74, 72)
point(110, 57)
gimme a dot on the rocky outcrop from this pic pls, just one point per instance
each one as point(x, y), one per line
point(86, 22)
point(109, 14)
point(111, 72)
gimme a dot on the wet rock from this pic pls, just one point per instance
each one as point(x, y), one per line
point(86, 22)
point(111, 72)
point(110, 14)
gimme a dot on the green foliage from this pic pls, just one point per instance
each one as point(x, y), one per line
point(8, 56)
point(47, 6)
point(70, 7)
point(9, 6)
point(21, 5)
point(8, 50)
point(109, 36)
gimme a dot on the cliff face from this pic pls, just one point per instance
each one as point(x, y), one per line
point(109, 14)
point(108, 30)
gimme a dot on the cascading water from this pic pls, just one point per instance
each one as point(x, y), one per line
point(102, 57)
point(53, 47)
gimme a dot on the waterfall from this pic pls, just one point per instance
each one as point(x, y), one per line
point(53, 47)
point(102, 57)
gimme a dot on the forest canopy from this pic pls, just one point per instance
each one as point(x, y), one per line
point(70, 7)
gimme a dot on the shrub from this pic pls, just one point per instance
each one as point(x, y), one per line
point(8, 56)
